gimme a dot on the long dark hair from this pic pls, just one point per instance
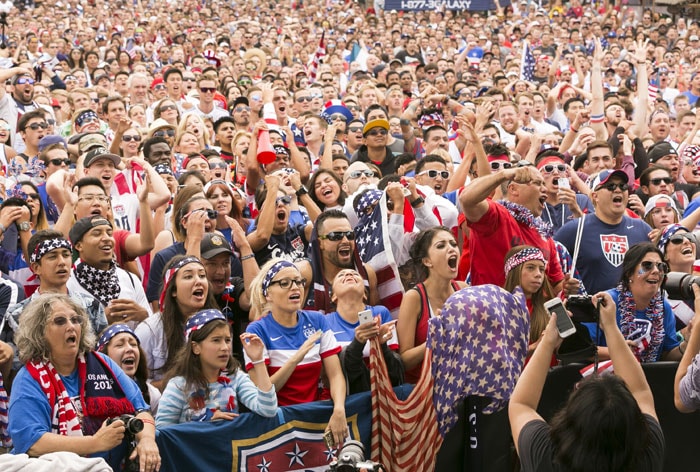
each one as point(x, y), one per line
point(601, 428)
point(141, 374)
point(172, 317)
point(312, 190)
point(189, 365)
point(418, 251)
point(634, 256)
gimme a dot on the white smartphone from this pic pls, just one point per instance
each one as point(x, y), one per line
point(564, 324)
point(563, 183)
point(365, 316)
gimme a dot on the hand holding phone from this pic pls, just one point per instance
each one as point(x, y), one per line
point(564, 324)
point(365, 317)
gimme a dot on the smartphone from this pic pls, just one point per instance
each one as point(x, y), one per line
point(563, 182)
point(328, 439)
point(365, 316)
point(564, 324)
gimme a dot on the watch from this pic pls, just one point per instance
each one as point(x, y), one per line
point(417, 202)
point(24, 226)
point(302, 191)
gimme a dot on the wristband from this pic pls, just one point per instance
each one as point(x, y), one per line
point(571, 128)
point(302, 191)
point(417, 202)
point(245, 258)
point(258, 362)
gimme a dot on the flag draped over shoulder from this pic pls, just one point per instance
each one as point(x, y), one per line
point(527, 64)
point(320, 52)
point(479, 344)
point(374, 246)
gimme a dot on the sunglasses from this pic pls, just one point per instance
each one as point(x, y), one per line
point(207, 89)
point(36, 126)
point(62, 320)
point(167, 108)
point(58, 162)
point(680, 238)
point(211, 214)
point(356, 174)
point(338, 117)
point(496, 165)
point(375, 132)
point(163, 133)
point(286, 200)
point(549, 168)
point(434, 173)
point(666, 180)
point(128, 138)
point(51, 121)
point(648, 266)
point(611, 187)
point(339, 235)
point(217, 165)
point(304, 99)
point(355, 129)
point(245, 82)
point(287, 283)
point(33, 196)
point(25, 81)
point(241, 108)
point(156, 87)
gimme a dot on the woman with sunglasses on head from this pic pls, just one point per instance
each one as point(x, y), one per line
point(661, 211)
point(644, 316)
point(299, 344)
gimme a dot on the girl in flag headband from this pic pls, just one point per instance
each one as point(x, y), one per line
point(206, 383)
point(525, 268)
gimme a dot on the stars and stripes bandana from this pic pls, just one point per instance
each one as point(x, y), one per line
point(47, 246)
point(200, 319)
point(101, 284)
point(274, 270)
point(479, 344)
point(666, 234)
point(520, 257)
point(170, 276)
point(112, 331)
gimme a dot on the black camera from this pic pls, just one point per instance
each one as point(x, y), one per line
point(351, 458)
point(581, 308)
point(679, 285)
point(132, 424)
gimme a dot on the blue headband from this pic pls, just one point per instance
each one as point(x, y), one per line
point(113, 331)
point(200, 319)
point(274, 270)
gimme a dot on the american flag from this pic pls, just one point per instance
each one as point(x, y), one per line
point(653, 87)
point(527, 64)
point(372, 240)
point(320, 52)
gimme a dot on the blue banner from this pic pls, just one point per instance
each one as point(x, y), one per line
point(414, 5)
point(292, 441)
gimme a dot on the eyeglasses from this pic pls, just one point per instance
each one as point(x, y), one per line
point(549, 168)
point(434, 173)
point(36, 126)
point(245, 82)
point(91, 197)
point(666, 180)
point(338, 235)
point(189, 79)
point(287, 283)
point(207, 89)
point(211, 214)
point(648, 266)
point(167, 108)
point(355, 129)
point(611, 187)
point(241, 108)
point(375, 132)
point(286, 200)
point(498, 165)
point(163, 133)
point(680, 238)
point(58, 162)
point(338, 117)
point(62, 320)
point(304, 99)
point(25, 81)
point(218, 165)
point(356, 174)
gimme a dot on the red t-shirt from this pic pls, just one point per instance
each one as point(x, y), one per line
point(494, 235)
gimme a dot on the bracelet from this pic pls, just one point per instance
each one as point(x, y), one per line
point(571, 128)
point(680, 336)
point(245, 258)
point(258, 362)
point(2, 228)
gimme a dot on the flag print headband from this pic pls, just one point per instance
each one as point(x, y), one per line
point(200, 319)
point(274, 270)
point(83, 117)
point(520, 257)
point(47, 246)
point(112, 331)
point(369, 198)
point(170, 276)
point(666, 234)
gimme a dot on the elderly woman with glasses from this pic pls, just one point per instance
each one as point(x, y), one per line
point(66, 395)
point(643, 315)
point(299, 344)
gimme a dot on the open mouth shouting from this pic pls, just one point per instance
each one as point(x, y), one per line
point(452, 262)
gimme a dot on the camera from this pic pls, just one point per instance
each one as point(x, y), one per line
point(679, 285)
point(581, 308)
point(133, 425)
point(351, 458)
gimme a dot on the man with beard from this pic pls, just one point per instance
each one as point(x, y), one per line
point(614, 114)
point(332, 250)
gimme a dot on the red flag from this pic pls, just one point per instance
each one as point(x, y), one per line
point(320, 52)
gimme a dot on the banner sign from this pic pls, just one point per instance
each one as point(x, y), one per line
point(440, 5)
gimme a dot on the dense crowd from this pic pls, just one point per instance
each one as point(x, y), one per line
point(283, 182)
